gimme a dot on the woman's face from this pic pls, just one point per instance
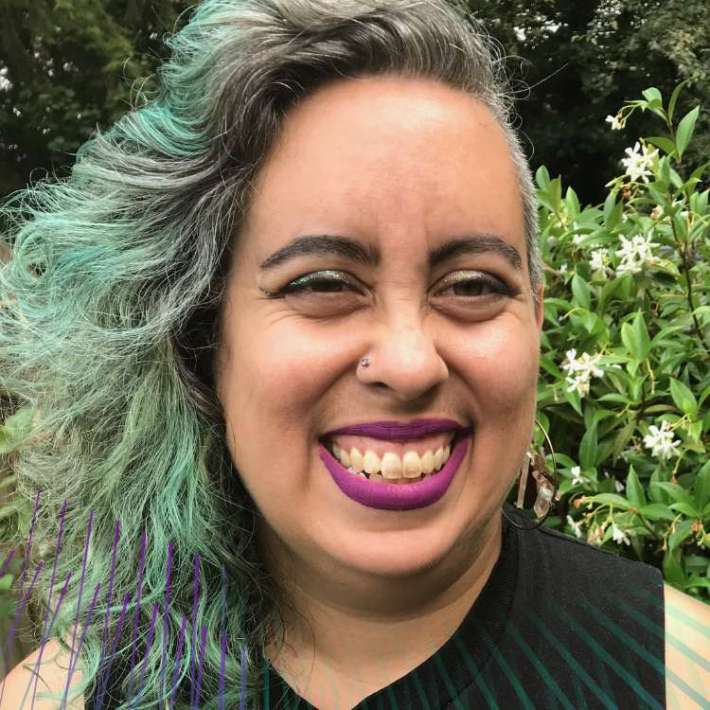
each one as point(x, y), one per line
point(400, 167)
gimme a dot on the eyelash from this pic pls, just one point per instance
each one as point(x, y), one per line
point(298, 286)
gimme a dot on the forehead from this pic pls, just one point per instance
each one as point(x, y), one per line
point(387, 155)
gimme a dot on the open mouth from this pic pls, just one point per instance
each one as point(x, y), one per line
point(414, 465)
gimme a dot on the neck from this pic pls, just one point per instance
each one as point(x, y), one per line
point(342, 616)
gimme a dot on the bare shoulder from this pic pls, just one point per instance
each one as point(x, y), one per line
point(18, 688)
point(687, 650)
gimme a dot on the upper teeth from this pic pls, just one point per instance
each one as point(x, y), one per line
point(391, 465)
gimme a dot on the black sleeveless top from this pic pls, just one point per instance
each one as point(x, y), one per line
point(559, 624)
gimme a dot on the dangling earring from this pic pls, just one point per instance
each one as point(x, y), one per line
point(545, 485)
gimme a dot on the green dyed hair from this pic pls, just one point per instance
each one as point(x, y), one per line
point(110, 320)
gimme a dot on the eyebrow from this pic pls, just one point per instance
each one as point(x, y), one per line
point(354, 250)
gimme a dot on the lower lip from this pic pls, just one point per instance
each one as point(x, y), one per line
point(393, 496)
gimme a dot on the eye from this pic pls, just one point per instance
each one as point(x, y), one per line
point(319, 282)
point(475, 284)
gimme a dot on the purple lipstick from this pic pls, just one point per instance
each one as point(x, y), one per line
point(392, 496)
point(399, 431)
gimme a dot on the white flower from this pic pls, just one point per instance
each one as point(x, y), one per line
point(563, 267)
point(577, 477)
point(616, 124)
point(639, 162)
point(584, 363)
point(619, 535)
point(657, 212)
point(577, 239)
point(661, 441)
point(599, 259)
point(635, 254)
point(581, 370)
point(619, 486)
point(579, 382)
point(576, 527)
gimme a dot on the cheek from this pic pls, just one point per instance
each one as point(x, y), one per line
point(271, 382)
point(501, 360)
point(288, 363)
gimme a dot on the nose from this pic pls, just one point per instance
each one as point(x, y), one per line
point(403, 359)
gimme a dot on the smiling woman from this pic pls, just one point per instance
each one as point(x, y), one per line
point(289, 317)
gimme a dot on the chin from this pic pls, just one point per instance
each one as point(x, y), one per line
point(393, 554)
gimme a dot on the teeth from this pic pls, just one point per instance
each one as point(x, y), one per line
point(427, 462)
point(391, 466)
point(342, 455)
point(371, 462)
point(412, 465)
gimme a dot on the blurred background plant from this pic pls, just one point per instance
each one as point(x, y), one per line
point(625, 370)
point(624, 378)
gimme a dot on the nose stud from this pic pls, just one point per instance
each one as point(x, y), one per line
point(365, 362)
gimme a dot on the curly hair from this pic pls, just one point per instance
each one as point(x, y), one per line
point(109, 323)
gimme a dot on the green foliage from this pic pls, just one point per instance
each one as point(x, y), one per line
point(68, 66)
point(628, 303)
point(582, 60)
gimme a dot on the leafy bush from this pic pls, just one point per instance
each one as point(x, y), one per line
point(626, 349)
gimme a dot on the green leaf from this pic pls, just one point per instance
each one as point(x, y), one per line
point(698, 172)
point(674, 99)
point(634, 489)
point(701, 487)
point(685, 130)
point(694, 431)
point(686, 509)
point(542, 178)
point(612, 397)
point(574, 400)
point(608, 290)
point(699, 202)
point(588, 447)
point(635, 337)
point(673, 570)
point(653, 96)
point(641, 335)
point(548, 364)
point(614, 217)
point(627, 338)
point(622, 438)
point(580, 291)
point(676, 179)
point(656, 511)
point(609, 499)
point(664, 332)
point(572, 203)
point(609, 205)
point(683, 397)
point(680, 534)
point(695, 582)
point(677, 493)
point(665, 144)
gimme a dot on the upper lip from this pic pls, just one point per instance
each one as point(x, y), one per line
point(399, 431)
